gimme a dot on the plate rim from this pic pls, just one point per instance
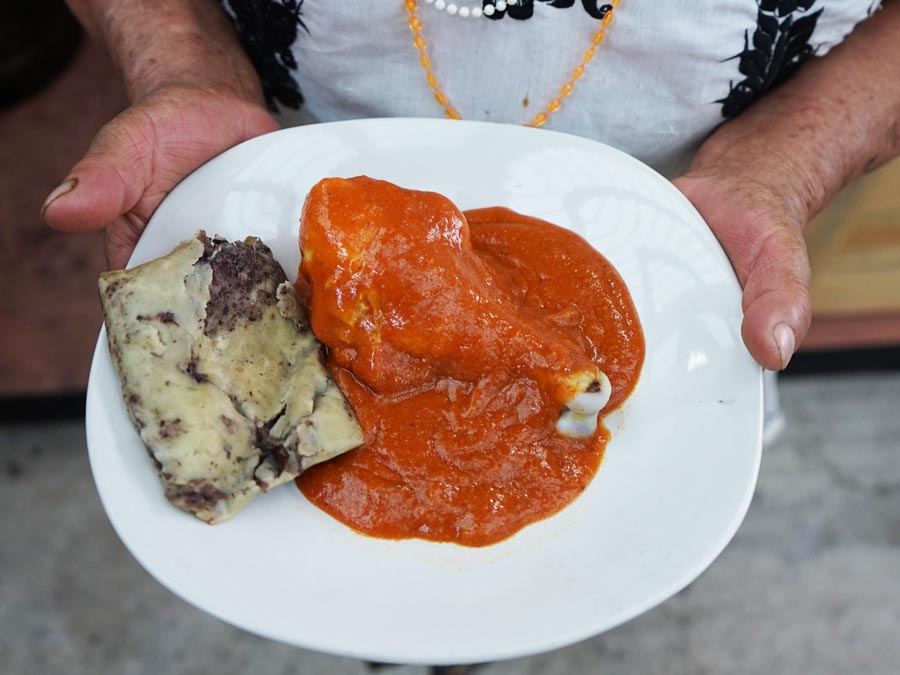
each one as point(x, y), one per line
point(94, 402)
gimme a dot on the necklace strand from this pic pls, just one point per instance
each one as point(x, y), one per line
point(476, 12)
point(415, 25)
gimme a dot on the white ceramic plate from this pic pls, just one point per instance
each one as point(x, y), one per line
point(674, 486)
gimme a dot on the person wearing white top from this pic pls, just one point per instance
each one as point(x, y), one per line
point(758, 110)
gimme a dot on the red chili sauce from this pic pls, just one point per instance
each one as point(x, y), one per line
point(452, 337)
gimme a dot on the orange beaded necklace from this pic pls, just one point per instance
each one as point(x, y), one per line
point(415, 25)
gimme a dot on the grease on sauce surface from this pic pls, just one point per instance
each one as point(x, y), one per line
point(456, 381)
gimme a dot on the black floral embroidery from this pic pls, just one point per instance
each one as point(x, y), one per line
point(267, 30)
point(779, 47)
point(524, 9)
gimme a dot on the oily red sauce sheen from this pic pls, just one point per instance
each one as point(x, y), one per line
point(456, 461)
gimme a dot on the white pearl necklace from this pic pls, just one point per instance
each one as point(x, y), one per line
point(475, 12)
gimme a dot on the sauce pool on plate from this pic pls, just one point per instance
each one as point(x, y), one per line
point(453, 339)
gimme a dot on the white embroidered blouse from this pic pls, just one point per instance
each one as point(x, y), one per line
point(668, 72)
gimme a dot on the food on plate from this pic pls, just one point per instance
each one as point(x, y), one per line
point(379, 267)
point(476, 351)
point(221, 375)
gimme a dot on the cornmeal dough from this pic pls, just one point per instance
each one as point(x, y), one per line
point(221, 375)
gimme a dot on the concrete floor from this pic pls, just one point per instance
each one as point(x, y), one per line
point(811, 583)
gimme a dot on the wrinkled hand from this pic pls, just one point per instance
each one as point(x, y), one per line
point(760, 230)
point(138, 157)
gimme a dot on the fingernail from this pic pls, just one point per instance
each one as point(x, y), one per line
point(786, 343)
point(63, 188)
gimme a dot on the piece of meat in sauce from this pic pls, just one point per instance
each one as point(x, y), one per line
point(402, 300)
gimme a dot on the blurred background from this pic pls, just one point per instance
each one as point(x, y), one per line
point(810, 584)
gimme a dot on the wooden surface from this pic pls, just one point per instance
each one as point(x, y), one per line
point(49, 310)
point(854, 249)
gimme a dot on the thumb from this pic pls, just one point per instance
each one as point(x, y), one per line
point(109, 181)
point(769, 256)
point(776, 299)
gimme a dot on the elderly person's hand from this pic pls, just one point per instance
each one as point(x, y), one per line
point(761, 230)
point(762, 176)
point(194, 94)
